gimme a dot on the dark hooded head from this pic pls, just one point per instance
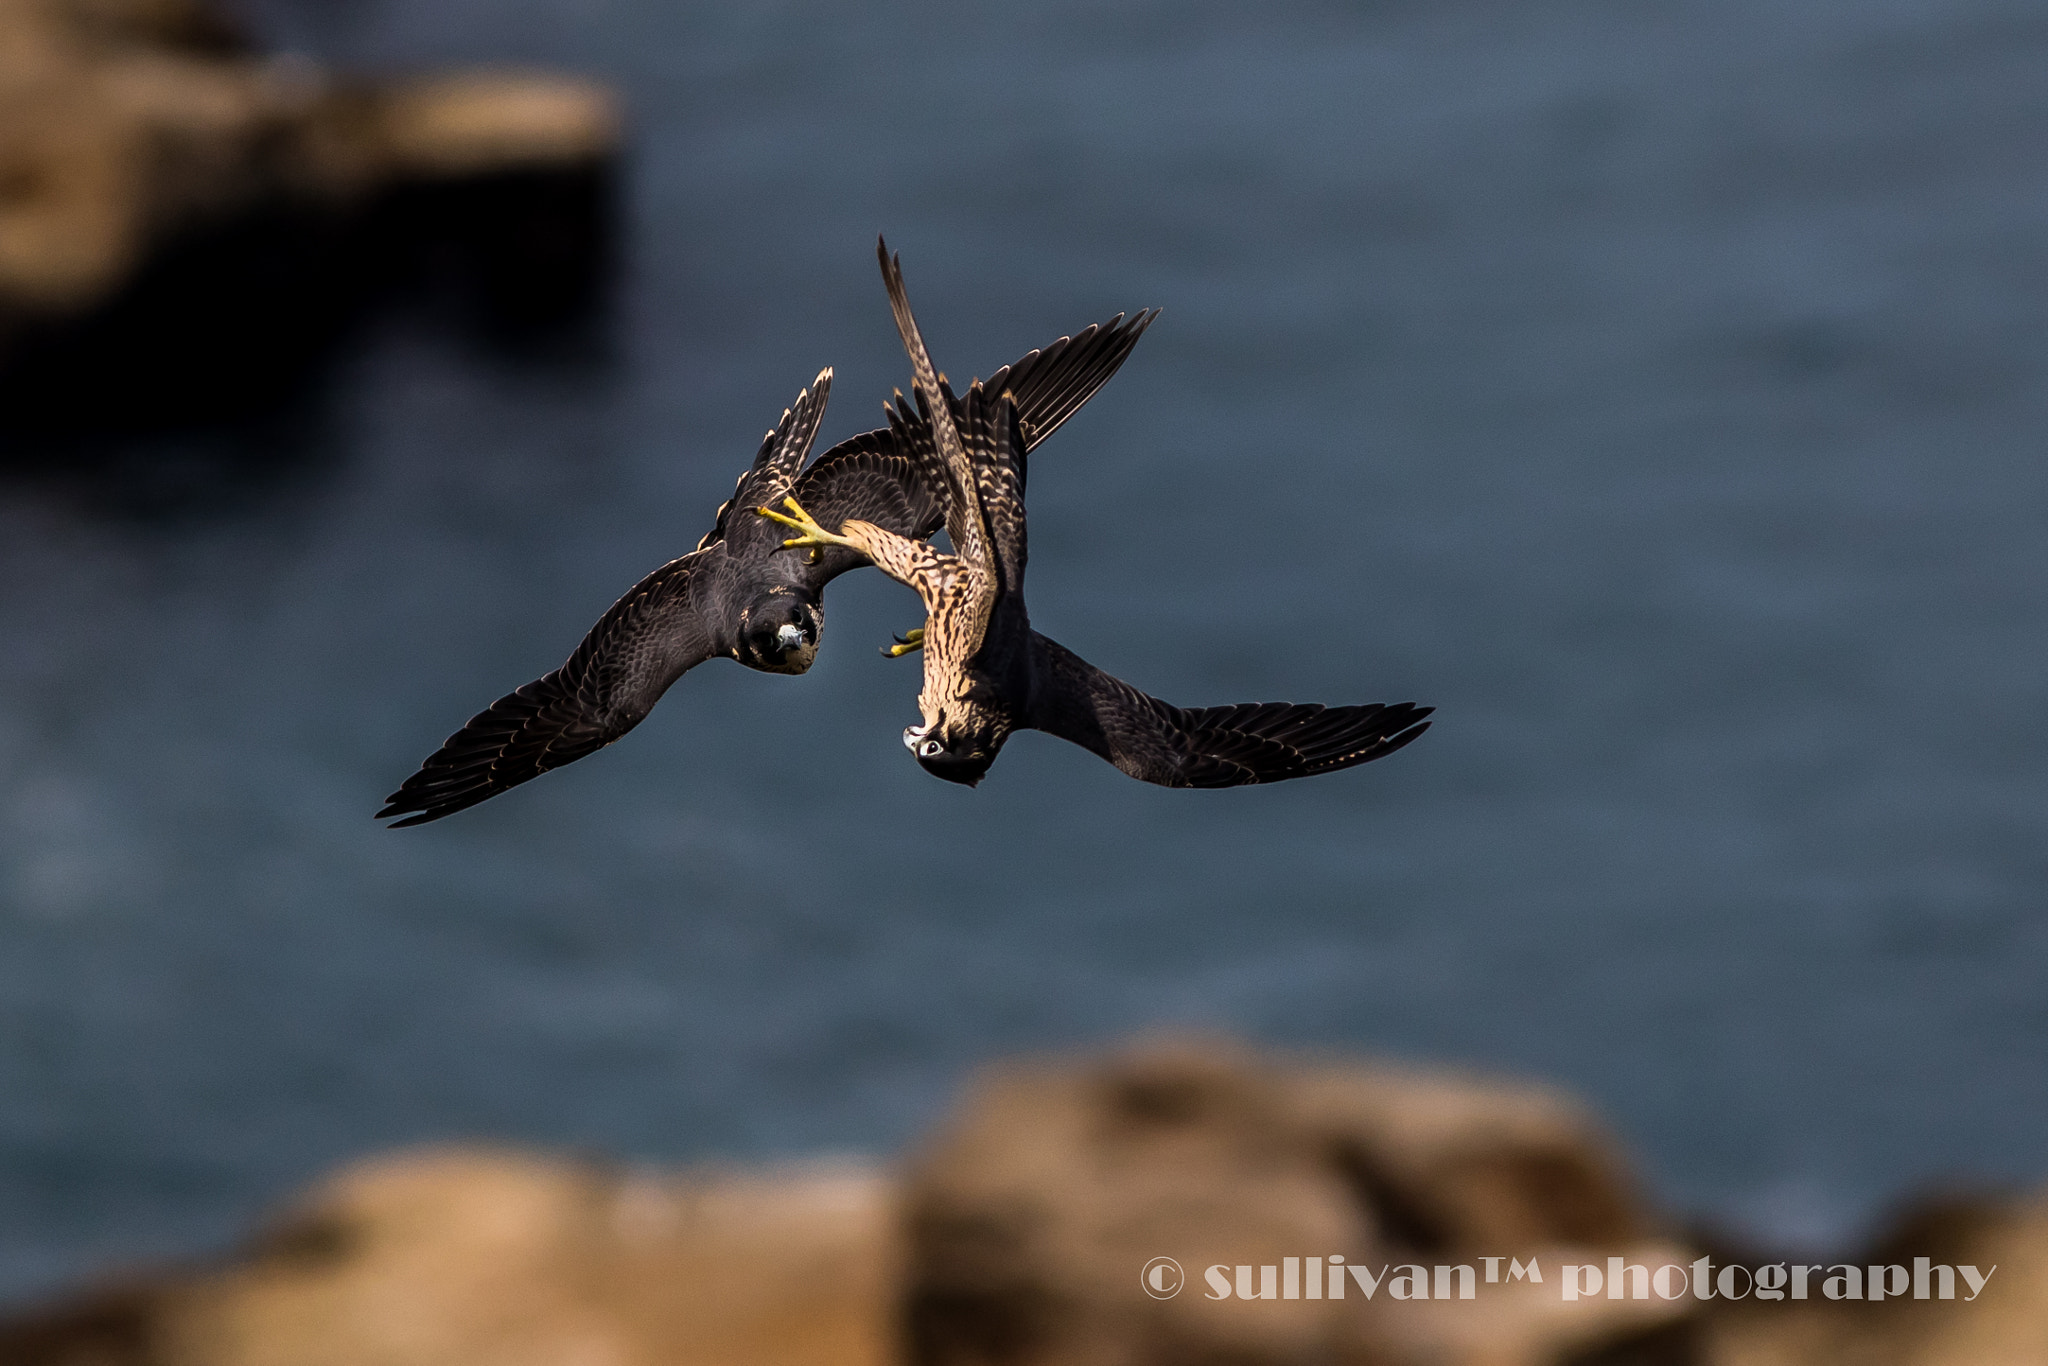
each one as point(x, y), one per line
point(779, 633)
point(959, 749)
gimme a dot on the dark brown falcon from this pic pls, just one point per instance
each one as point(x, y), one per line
point(988, 674)
point(736, 596)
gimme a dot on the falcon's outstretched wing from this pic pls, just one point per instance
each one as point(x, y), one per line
point(648, 639)
point(780, 457)
point(892, 476)
point(1255, 742)
point(1051, 384)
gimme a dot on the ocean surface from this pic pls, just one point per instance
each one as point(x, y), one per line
point(1659, 391)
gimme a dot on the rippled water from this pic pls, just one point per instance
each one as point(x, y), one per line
point(1662, 396)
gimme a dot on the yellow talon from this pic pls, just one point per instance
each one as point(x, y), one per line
point(813, 535)
point(907, 643)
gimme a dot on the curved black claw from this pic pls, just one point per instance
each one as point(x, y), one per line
point(905, 644)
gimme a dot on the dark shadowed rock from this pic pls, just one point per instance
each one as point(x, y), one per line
point(185, 224)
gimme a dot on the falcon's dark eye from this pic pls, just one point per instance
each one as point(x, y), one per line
point(930, 748)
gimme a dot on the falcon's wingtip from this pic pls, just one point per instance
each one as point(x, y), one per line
point(397, 805)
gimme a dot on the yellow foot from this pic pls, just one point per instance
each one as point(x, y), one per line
point(810, 533)
point(905, 644)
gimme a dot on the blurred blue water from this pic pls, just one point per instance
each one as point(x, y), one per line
point(1661, 395)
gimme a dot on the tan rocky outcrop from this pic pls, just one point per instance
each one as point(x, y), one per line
point(1018, 1237)
point(470, 1258)
point(2006, 1325)
point(1030, 1216)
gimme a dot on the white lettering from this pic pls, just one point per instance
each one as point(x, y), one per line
point(1409, 1283)
point(1977, 1282)
point(1366, 1280)
point(1219, 1282)
point(1636, 1277)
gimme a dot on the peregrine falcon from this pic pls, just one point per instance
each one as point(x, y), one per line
point(736, 596)
point(988, 674)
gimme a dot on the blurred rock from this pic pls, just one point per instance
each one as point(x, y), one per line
point(178, 214)
point(1019, 1236)
point(2007, 1325)
point(481, 123)
point(488, 1259)
point(1031, 1215)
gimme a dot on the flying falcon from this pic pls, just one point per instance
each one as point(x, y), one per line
point(987, 673)
point(736, 596)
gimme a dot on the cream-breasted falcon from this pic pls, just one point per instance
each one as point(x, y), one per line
point(988, 674)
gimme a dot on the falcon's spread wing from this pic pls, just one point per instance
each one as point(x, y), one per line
point(780, 457)
point(892, 477)
point(1255, 742)
point(637, 649)
point(1051, 384)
